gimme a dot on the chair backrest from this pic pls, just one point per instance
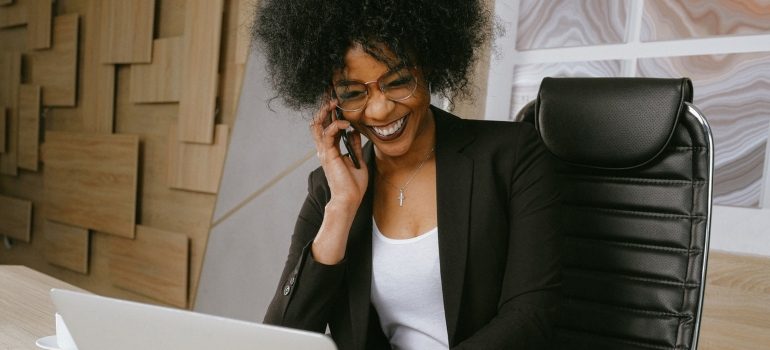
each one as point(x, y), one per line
point(635, 159)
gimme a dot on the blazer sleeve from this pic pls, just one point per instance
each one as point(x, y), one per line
point(530, 294)
point(306, 289)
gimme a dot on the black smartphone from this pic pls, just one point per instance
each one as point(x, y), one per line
point(346, 140)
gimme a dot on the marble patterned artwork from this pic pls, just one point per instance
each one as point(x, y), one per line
point(527, 77)
point(568, 23)
point(733, 91)
point(681, 19)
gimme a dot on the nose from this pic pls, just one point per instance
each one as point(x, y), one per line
point(379, 107)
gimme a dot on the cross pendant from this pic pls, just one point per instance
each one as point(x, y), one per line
point(400, 198)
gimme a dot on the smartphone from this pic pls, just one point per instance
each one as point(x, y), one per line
point(346, 140)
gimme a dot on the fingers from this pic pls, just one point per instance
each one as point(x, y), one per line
point(321, 120)
point(331, 135)
point(326, 132)
point(355, 140)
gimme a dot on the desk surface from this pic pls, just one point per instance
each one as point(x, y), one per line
point(26, 310)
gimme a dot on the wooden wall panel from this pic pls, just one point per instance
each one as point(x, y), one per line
point(126, 28)
point(15, 218)
point(154, 264)
point(235, 45)
point(161, 206)
point(56, 69)
point(242, 33)
point(3, 122)
point(66, 246)
point(159, 81)
point(197, 167)
point(14, 14)
point(98, 84)
point(39, 16)
point(171, 13)
point(90, 180)
point(10, 79)
point(197, 105)
point(29, 126)
point(104, 106)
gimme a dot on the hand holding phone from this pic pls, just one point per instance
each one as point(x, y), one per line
point(346, 141)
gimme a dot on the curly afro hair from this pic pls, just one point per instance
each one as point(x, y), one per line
point(305, 41)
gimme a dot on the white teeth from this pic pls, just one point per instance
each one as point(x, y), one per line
point(389, 129)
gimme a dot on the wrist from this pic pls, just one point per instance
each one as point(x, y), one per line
point(331, 241)
point(342, 207)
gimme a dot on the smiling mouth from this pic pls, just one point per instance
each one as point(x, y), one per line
point(390, 131)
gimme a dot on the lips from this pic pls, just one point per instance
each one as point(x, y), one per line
point(390, 131)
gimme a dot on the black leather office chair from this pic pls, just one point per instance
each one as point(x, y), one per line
point(635, 159)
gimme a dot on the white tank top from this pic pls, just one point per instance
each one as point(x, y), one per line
point(406, 290)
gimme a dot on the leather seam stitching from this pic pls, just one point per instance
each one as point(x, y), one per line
point(633, 180)
point(634, 310)
point(633, 278)
point(637, 213)
point(686, 148)
point(637, 245)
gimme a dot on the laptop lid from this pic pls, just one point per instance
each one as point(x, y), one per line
point(98, 323)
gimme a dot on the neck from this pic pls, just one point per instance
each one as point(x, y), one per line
point(421, 146)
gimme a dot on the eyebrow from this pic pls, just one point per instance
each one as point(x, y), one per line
point(391, 70)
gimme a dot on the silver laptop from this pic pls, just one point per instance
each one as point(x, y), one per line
point(98, 323)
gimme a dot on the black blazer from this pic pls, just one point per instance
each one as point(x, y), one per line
point(498, 246)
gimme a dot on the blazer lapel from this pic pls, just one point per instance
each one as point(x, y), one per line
point(359, 256)
point(454, 180)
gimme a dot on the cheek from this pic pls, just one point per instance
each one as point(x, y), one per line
point(421, 97)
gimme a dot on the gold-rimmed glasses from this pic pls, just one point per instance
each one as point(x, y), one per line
point(397, 85)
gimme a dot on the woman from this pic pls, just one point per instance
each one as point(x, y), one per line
point(444, 236)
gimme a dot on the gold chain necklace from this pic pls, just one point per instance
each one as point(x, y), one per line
point(402, 189)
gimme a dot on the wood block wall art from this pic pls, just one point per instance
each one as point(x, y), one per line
point(39, 20)
point(155, 264)
point(29, 126)
point(90, 180)
point(98, 84)
point(197, 104)
point(55, 70)
point(159, 81)
point(126, 28)
point(15, 14)
point(15, 218)
point(10, 79)
point(3, 121)
point(242, 33)
point(197, 167)
point(66, 246)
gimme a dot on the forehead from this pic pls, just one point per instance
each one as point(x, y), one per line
point(360, 65)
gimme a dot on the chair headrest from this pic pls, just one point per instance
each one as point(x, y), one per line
point(615, 123)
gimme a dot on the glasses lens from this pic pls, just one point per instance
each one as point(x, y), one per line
point(398, 85)
point(351, 95)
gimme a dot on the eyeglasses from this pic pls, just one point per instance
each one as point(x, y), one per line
point(397, 85)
